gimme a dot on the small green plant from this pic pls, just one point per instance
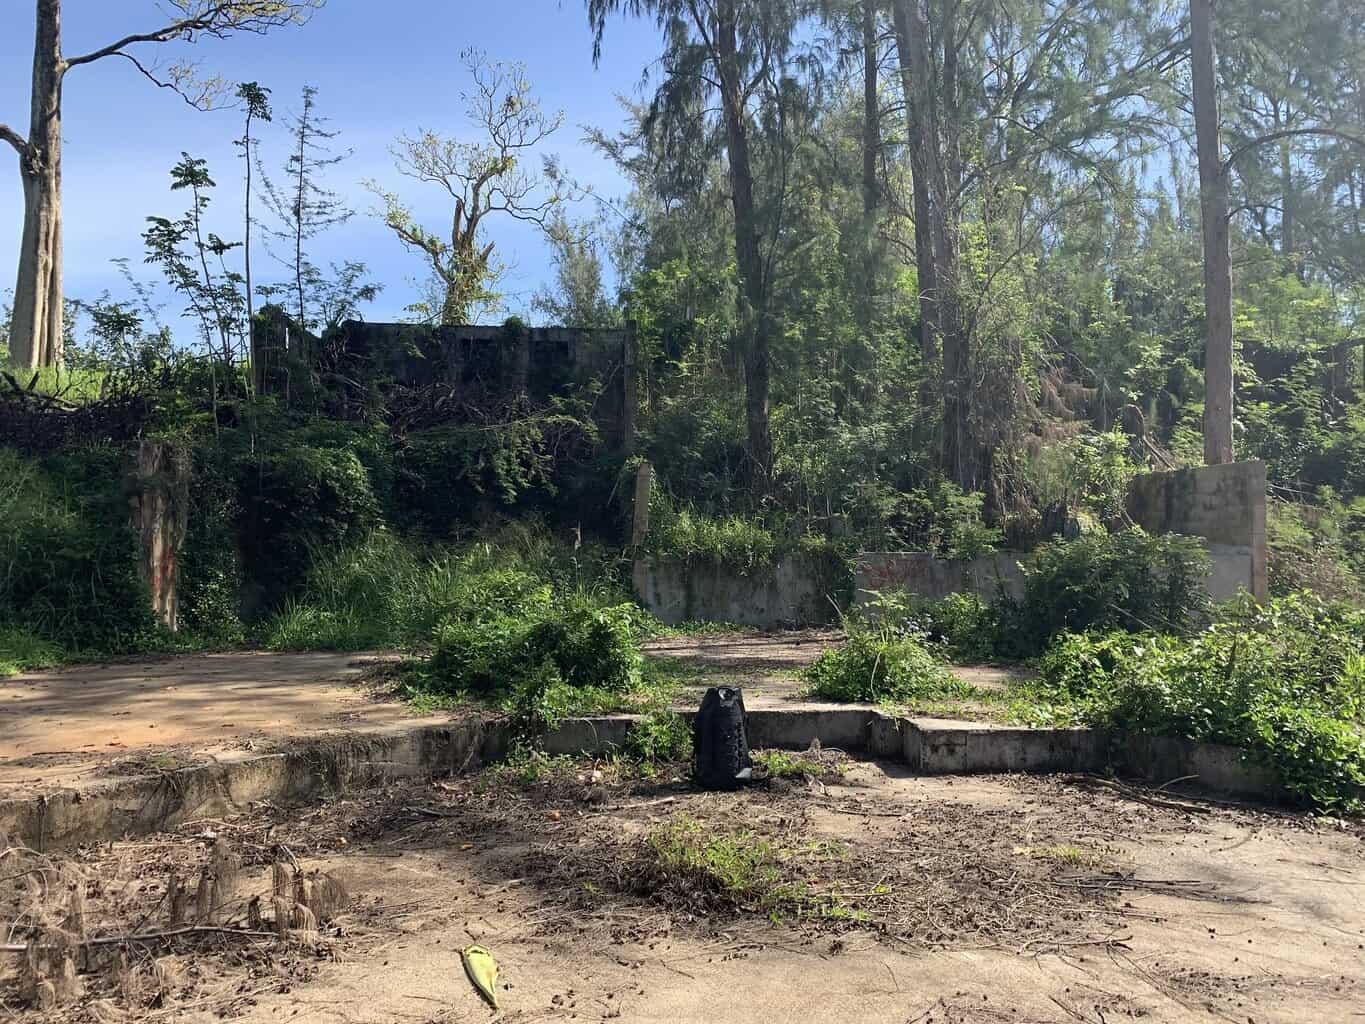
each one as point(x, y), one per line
point(687, 862)
point(882, 664)
point(660, 737)
point(778, 764)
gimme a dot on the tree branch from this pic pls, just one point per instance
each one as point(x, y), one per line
point(16, 140)
point(219, 19)
point(1286, 133)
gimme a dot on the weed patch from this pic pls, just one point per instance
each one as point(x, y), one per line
point(1285, 681)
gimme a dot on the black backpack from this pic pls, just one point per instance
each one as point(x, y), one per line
point(720, 742)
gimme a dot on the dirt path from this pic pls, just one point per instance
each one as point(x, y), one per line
point(1271, 931)
point(55, 727)
point(1000, 900)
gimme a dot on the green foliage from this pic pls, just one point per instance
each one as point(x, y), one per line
point(1285, 681)
point(69, 554)
point(881, 664)
point(692, 538)
point(967, 628)
point(660, 737)
point(778, 764)
point(1126, 580)
point(690, 863)
point(297, 500)
point(22, 651)
point(538, 649)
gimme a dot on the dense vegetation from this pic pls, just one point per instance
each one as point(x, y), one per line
point(902, 276)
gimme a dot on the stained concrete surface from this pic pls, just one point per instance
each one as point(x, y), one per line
point(58, 727)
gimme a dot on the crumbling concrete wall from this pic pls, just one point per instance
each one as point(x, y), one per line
point(921, 574)
point(789, 594)
point(1223, 505)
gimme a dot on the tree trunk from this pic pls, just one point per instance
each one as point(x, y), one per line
point(748, 254)
point(36, 333)
point(257, 366)
point(872, 144)
point(962, 458)
point(1213, 198)
point(925, 268)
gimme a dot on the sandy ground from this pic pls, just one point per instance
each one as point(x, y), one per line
point(1006, 899)
point(57, 727)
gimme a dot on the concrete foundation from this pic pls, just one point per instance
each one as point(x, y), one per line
point(786, 595)
point(318, 768)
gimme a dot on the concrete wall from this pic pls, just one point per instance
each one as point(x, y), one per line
point(789, 594)
point(1222, 505)
point(1225, 505)
point(923, 575)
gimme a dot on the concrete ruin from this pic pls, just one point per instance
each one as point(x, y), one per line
point(477, 363)
point(1225, 506)
point(786, 595)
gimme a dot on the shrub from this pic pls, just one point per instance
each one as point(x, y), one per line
point(21, 651)
point(298, 500)
point(69, 553)
point(1128, 580)
point(882, 664)
point(1286, 681)
point(742, 545)
point(967, 628)
point(575, 643)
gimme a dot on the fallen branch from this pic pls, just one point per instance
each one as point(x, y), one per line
point(1133, 793)
point(157, 936)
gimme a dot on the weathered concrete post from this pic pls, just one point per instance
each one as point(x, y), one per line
point(644, 485)
point(160, 509)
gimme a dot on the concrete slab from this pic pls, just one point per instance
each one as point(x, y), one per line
point(59, 727)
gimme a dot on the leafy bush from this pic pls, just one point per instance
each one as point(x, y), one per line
point(573, 642)
point(298, 500)
point(1128, 580)
point(69, 553)
point(740, 544)
point(1286, 681)
point(21, 651)
point(966, 628)
point(882, 664)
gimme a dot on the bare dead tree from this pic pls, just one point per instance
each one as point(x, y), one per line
point(491, 176)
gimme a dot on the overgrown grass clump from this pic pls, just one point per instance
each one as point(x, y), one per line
point(689, 863)
point(22, 651)
point(1285, 681)
point(70, 583)
point(882, 664)
point(517, 623)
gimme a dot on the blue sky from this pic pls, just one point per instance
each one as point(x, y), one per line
point(380, 67)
